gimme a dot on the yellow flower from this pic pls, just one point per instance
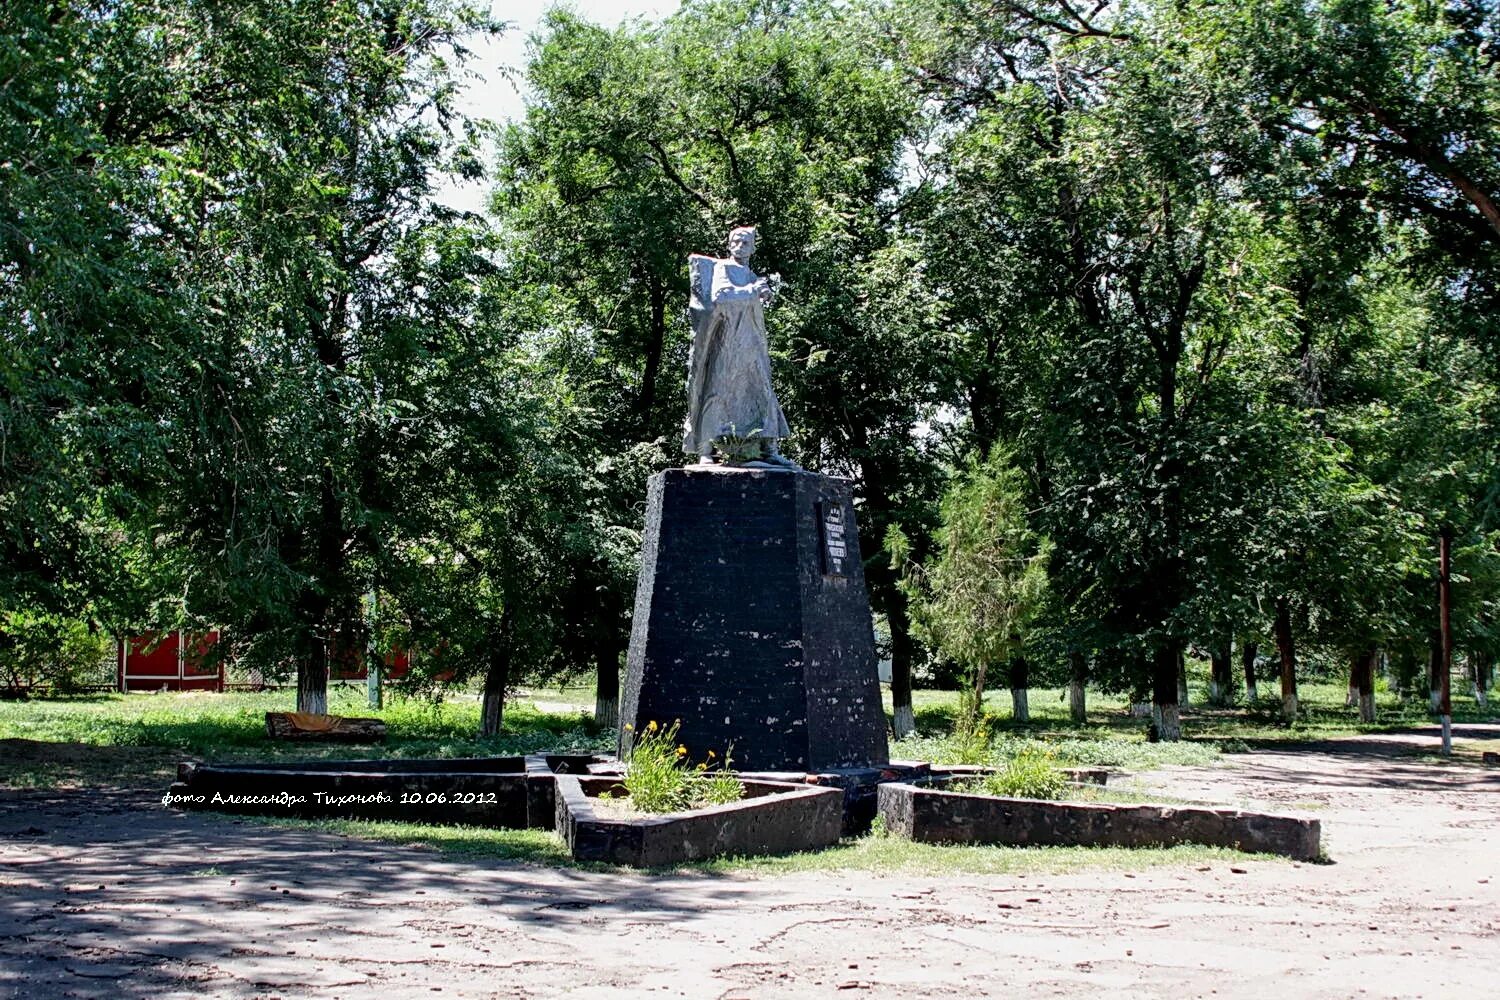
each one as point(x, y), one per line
point(629, 728)
point(710, 755)
point(651, 725)
point(682, 751)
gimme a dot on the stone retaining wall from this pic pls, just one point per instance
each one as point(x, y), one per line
point(505, 792)
point(940, 817)
point(773, 818)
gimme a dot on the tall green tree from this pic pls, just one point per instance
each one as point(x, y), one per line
point(297, 231)
point(649, 142)
point(975, 600)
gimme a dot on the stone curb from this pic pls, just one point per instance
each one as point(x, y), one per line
point(939, 817)
point(774, 818)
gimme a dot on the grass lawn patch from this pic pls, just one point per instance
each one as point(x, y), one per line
point(137, 739)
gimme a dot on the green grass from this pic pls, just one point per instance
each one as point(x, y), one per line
point(892, 854)
point(152, 731)
point(1114, 738)
point(540, 847)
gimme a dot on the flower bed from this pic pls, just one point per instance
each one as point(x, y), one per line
point(771, 818)
point(934, 815)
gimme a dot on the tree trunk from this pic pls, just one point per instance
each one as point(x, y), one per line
point(1140, 690)
point(1288, 651)
point(904, 721)
point(1078, 676)
point(971, 702)
point(1484, 677)
point(314, 605)
point(281, 726)
point(312, 677)
point(1020, 681)
point(1165, 714)
point(1407, 672)
point(656, 335)
point(607, 676)
point(1182, 682)
point(880, 577)
point(374, 664)
point(1247, 660)
point(1362, 683)
point(1221, 674)
point(496, 678)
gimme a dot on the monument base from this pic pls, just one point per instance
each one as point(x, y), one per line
point(752, 625)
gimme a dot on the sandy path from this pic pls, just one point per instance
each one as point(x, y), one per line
point(1410, 907)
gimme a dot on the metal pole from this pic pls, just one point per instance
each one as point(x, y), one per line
point(1445, 625)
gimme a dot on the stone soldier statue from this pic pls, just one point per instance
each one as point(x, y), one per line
point(732, 413)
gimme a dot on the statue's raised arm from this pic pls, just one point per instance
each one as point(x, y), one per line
point(733, 416)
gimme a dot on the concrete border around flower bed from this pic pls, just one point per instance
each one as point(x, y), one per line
point(935, 816)
point(774, 818)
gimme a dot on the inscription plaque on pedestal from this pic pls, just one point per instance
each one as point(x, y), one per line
point(835, 550)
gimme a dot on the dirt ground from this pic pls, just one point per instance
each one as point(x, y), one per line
point(107, 894)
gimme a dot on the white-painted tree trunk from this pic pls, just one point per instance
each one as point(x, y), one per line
point(373, 690)
point(1168, 722)
point(1215, 695)
point(491, 712)
point(1367, 708)
point(1289, 707)
point(312, 690)
point(1020, 711)
point(1077, 703)
point(607, 712)
point(1436, 697)
point(1252, 693)
point(905, 722)
point(1351, 698)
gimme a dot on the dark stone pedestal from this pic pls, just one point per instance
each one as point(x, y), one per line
point(752, 624)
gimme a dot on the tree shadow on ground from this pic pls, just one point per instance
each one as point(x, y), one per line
point(111, 894)
point(1405, 758)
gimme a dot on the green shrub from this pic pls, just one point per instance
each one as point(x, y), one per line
point(60, 654)
point(719, 787)
point(970, 743)
point(1031, 774)
point(660, 779)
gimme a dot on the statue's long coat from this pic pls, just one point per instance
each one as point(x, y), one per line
point(729, 374)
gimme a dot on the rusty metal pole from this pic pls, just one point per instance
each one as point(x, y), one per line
point(1445, 625)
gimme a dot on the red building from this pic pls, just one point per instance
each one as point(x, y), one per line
point(180, 661)
point(172, 661)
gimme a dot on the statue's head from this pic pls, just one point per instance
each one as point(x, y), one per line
point(742, 243)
